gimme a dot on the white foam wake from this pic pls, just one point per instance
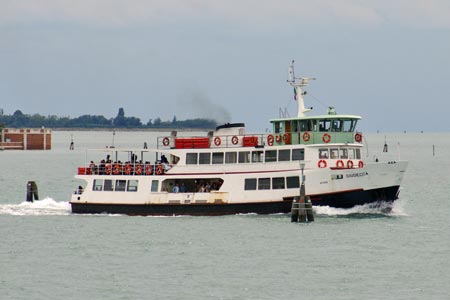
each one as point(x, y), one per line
point(394, 209)
point(47, 206)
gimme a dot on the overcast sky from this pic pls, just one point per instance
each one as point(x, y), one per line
point(386, 60)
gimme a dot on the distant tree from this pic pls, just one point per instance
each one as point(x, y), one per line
point(1, 111)
point(174, 120)
point(157, 122)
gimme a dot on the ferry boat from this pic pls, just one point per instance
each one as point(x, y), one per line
point(229, 171)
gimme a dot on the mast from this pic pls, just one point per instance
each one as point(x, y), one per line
point(298, 89)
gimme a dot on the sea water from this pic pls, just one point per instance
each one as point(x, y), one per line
point(358, 253)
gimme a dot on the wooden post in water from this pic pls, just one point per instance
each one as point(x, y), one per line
point(301, 210)
point(32, 191)
point(433, 150)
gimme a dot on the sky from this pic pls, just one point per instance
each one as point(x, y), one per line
point(385, 60)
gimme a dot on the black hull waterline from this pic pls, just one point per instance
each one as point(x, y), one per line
point(337, 200)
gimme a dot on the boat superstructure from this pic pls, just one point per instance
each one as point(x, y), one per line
point(230, 171)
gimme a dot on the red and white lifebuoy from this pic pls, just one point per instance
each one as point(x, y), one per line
point(358, 137)
point(127, 169)
point(326, 138)
point(116, 169)
point(287, 138)
point(306, 136)
point(322, 163)
point(350, 164)
point(361, 164)
point(159, 170)
point(166, 141)
point(138, 170)
point(234, 140)
point(340, 164)
point(148, 170)
point(217, 141)
point(108, 169)
point(270, 139)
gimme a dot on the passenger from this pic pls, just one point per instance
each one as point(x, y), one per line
point(164, 159)
point(79, 190)
point(176, 188)
point(183, 188)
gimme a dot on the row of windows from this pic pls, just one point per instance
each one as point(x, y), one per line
point(245, 156)
point(340, 153)
point(120, 185)
point(274, 183)
point(325, 125)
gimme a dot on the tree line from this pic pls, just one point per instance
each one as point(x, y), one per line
point(19, 119)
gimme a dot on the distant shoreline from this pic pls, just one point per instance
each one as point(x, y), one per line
point(132, 129)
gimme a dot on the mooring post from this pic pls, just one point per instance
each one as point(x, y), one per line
point(32, 191)
point(301, 210)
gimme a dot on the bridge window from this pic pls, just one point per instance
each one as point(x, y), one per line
point(298, 154)
point(284, 155)
point(191, 158)
point(250, 184)
point(278, 183)
point(324, 125)
point(205, 158)
point(294, 126)
point(336, 125)
point(278, 127)
point(349, 125)
point(264, 184)
point(271, 155)
point(230, 157)
point(217, 158)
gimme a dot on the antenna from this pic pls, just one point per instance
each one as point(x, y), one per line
point(298, 89)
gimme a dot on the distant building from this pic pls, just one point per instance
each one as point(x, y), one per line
point(26, 139)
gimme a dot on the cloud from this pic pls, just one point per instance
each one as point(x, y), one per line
point(253, 14)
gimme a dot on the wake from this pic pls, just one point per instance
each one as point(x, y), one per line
point(395, 210)
point(45, 207)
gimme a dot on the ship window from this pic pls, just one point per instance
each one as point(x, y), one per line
point(98, 185)
point(244, 157)
point(204, 158)
point(155, 184)
point(323, 153)
point(344, 153)
point(264, 184)
point(349, 125)
point(278, 127)
point(217, 158)
point(351, 153)
point(294, 126)
point(257, 156)
point(284, 155)
point(334, 153)
point(191, 158)
point(304, 125)
point(298, 154)
point(230, 157)
point(358, 153)
point(120, 185)
point(271, 155)
point(278, 183)
point(250, 184)
point(292, 182)
point(324, 125)
point(132, 186)
point(108, 185)
point(336, 125)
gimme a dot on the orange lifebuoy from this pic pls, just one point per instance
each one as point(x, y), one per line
point(148, 169)
point(358, 137)
point(235, 140)
point(166, 141)
point(108, 169)
point(138, 170)
point(128, 169)
point(217, 141)
point(287, 138)
point(340, 164)
point(270, 139)
point(322, 163)
point(306, 136)
point(278, 138)
point(326, 138)
point(361, 164)
point(116, 169)
point(159, 170)
point(350, 164)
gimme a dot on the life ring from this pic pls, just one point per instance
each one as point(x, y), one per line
point(350, 164)
point(270, 139)
point(166, 141)
point(322, 163)
point(217, 141)
point(326, 138)
point(148, 169)
point(116, 169)
point(235, 140)
point(358, 137)
point(287, 138)
point(127, 169)
point(159, 170)
point(138, 170)
point(108, 169)
point(306, 136)
point(340, 164)
point(361, 164)
point(278, 138)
